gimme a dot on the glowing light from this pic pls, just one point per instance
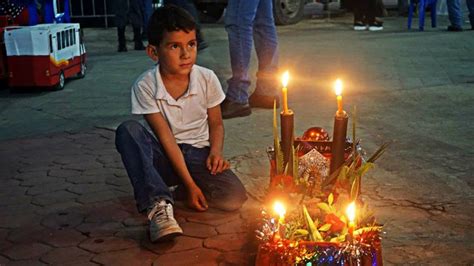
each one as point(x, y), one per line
point(338, 87)
point(279, 209)
point(285, 78)
point(351, 211)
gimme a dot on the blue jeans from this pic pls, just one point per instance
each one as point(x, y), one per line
point(454, 12)
point(248, 22)
point(151, 173)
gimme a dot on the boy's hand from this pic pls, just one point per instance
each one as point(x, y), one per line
point(196, 199)
point(216, 163)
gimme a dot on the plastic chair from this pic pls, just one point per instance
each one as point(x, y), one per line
point(422, 5)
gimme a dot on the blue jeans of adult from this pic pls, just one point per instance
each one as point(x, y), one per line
point(454, 12)
point(151, 173)
point(247, 23)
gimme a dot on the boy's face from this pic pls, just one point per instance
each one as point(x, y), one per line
point(176, 52)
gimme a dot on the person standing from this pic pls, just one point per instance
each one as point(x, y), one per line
point(129, 11)
point(247, 23)
point(455, 14)
point(364, 16)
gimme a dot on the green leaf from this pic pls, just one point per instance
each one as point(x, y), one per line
point(355, 189)
point(301, 232)
point(313, 230)
point(330, 199)
point(325, 227)
point(325, 207)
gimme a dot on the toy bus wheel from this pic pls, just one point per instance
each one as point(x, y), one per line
point(61, 82)
point(82, 73)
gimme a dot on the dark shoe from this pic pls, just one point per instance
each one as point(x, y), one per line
point(454, 28)
point(263, 101)
point(376, 26)
point(122, 48)
point(139, 46)
point(232, 109)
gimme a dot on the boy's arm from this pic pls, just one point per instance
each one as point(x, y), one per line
point(216, 162)
point(161, 129)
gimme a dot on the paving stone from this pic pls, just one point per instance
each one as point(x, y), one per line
point(133, 256)
point(3, 233)
point(99, 196)
point(3, 260)
point(198, 256)
point(63, 220)
point(100, 229)
point(67, 206)
point(227, 242)
point(107, 213)
point(62, 237)
point(7, 200)
point(87, 188)
point(33, 262)
point(63, 173)
point(237, 258)
point(210, 217)
point(236, 226)
point(4, 244)
point(105, 244)
point(47, 188)
point(198, 230)
point(53, 197)
point(26, 234)
point(65, 255)
point(136, 221)
point(86, 179)
point(178, 244)
point(83, 166)
point(26, 251)
point(31, 175)
point(41, 180)
point(17, 220)
point(104, 172)
point(118, 181)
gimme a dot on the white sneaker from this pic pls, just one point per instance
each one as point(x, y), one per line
point(163, 226)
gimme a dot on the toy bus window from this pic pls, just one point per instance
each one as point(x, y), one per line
point(63, 39)
point(67, 38)
point(71, 40)
point(74, 36)
point(58, 39)
point(50, 44)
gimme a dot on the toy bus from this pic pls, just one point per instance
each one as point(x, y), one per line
point(44, 55)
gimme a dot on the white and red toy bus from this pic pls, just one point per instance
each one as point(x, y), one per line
point(44, 55)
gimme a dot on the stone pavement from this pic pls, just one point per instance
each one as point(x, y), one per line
point(65, 198)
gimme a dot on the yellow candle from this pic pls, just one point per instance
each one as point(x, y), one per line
point(284, 90)
point(351, 214)
point(338, 90)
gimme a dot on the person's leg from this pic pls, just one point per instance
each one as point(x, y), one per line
point(359, 15)
point(223, 191)
point(454, 14)
point(148, 168)
point(470, 7)
point(121, 19)
point(239, 19)
point(266, 46)
point(122, 43)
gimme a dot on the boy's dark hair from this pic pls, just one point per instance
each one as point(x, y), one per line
point(168, 18)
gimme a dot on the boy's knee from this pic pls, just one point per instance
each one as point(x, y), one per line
point(126, 130)
point(232, 201)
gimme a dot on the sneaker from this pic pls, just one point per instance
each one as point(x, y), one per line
point(263, 101)
point(376, 26)
point(163, 226)
point(232, 109)
point(359, 26)
point(454, 28)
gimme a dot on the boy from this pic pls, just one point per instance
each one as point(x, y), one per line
point(180, 101)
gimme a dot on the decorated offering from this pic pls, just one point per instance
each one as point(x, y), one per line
point(313, 213)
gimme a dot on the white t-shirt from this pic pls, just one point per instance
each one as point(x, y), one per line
point(187, 116)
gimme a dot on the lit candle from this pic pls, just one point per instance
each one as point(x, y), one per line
point(338, 89)
point(284, 81)
point(279, 209)
point(351, 214)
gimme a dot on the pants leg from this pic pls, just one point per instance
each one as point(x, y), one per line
point(223, 191)
point(454, 12)
point(148, 167)
point(371, 11)
point(470, 7)
point(266, 45)
point(239, 19)
point(360, 11)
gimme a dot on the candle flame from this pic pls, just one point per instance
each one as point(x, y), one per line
point(279, 208)
point(285, 78)
point(338, 87)
point(351, 211)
